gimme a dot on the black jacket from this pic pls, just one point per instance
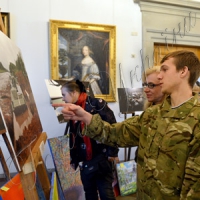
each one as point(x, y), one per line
point(77, 148)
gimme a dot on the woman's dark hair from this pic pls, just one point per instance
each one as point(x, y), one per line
point(74, 85)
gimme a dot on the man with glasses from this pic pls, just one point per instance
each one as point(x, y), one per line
point(168, 134)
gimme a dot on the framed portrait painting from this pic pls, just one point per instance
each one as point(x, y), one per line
point(86, 52)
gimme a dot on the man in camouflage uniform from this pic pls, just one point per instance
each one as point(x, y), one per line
point(168, 135)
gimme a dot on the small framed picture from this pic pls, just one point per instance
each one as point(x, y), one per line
point(5, 27)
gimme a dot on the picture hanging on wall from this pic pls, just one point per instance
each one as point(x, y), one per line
point(6, 22)
point(86, 52)
point(130, 99)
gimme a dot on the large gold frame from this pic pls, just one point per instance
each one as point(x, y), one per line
point(88, 30)
point(6, 23)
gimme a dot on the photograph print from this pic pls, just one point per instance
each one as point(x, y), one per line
point(130, 99)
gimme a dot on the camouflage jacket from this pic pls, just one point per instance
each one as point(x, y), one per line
point(169, 148)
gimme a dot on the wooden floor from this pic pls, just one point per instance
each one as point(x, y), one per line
point(128, 197)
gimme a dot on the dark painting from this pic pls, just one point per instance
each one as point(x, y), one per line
point(73, 45)
point(130, 99)
point(85, 52)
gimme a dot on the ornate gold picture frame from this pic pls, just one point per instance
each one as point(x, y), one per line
point(86, 52)
point(6, 23)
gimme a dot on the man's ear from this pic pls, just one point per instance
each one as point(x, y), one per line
point(184, 71)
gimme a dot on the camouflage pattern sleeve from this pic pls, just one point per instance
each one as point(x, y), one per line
point(168, 140)
point(191, 183)
point(124, 134)
point(169, 153)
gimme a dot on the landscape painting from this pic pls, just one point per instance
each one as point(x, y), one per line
point(17, 101)
point(127, 175)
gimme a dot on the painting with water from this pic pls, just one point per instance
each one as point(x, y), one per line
point(17, 101)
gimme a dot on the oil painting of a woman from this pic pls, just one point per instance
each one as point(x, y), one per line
point(88, 70)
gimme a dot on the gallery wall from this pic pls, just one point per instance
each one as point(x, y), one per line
point(29, 29)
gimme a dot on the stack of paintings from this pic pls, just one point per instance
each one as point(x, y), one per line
point(56, 191)
point(69, 178)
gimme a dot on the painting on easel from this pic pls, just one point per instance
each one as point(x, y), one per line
point(16, 100)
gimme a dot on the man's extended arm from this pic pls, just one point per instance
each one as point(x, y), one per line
point(123, 134)
point(74, 112)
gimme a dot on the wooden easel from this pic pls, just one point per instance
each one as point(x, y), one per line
point(36, 164)
point(33, 164)
point(2, 127)
point(4, 166)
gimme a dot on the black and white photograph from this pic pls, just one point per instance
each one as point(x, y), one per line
point(130, 99)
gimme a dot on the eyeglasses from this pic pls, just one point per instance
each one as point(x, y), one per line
point(149, 85)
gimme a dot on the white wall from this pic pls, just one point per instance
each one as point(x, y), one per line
point(29, 26)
